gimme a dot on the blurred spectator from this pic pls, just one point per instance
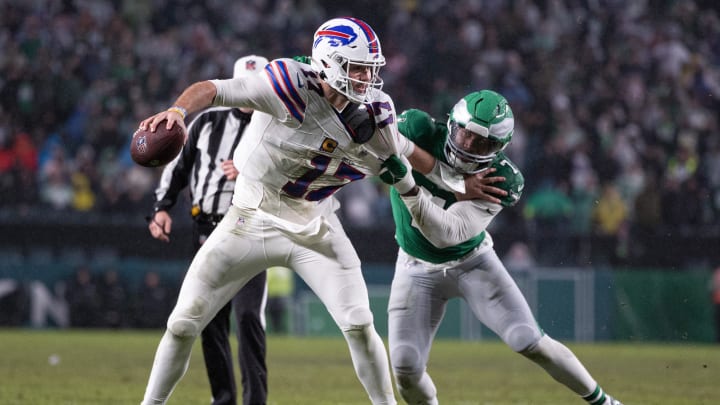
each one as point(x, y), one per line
point(549, 208)
point(14, 302)
point(647, 224)
point(280, 287)
point(18, 168)
point(114, 304)
point(547, 212)
point(584, 188)
point(683, 164)
point(55, 187)
point(84, 179)
point(610, 213)
point(83, 298)
point(153, 303)
point(647, 207)
point(519, 258)
point(610, 225)
point(716, 301)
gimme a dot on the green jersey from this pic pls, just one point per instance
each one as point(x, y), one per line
point(430, 135)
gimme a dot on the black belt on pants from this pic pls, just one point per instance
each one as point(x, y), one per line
point(208, 218)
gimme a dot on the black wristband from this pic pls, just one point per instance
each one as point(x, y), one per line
point(149, 218)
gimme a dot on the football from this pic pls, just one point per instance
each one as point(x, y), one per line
point(153, 149)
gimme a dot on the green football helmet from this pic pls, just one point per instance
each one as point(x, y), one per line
point(480, 125)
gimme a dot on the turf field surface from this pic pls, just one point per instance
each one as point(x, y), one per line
point(111, 367)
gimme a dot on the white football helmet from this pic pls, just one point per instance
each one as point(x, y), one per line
point(342, 43)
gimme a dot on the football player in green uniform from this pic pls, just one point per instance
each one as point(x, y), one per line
point(446, 252)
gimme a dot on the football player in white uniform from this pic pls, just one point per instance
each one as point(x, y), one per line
point(316, 128)
point(445, 251)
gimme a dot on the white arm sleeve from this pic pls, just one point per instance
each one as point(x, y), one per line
point(405, 146)
point(250, 92)
point(445, 228)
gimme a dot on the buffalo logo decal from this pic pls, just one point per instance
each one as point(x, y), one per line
point(338, 35)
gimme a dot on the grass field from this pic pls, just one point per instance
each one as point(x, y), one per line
point(111, 367)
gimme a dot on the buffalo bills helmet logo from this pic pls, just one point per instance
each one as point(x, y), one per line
point(338, 35)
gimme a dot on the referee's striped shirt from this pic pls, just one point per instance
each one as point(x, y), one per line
point(212, 138)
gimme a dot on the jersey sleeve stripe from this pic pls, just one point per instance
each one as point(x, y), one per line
point(277, 80)
point(290, 86)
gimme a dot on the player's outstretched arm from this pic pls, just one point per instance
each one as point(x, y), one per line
point(196, 97)
point(442, 227)
point(421, 160)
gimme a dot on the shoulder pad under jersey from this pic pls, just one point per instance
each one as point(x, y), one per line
point(414, 123)
point(423, 130)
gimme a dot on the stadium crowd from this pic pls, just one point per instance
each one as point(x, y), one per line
point(615, 102)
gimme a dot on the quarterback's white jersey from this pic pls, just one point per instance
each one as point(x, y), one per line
point(297, 150)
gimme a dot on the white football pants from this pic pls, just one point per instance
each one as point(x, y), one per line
point(418, 301)
point(245, 243)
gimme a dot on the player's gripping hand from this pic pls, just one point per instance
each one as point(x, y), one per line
point(479, 186)
point(396, 172)
point(170, 116)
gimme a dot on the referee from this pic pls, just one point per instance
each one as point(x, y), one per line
point(206, 164)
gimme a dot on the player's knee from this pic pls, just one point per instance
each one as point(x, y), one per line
point(186, 322)
point(182, 327)
point(406, 365)
point(545, 348)
point(522, 338)
point(358, 319)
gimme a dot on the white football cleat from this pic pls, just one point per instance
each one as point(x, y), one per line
point(611, 401)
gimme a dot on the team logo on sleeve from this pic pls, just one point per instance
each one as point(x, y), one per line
point(328, 145)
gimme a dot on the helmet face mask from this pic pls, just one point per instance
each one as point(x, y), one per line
point(480, 126)
point(346, 53)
